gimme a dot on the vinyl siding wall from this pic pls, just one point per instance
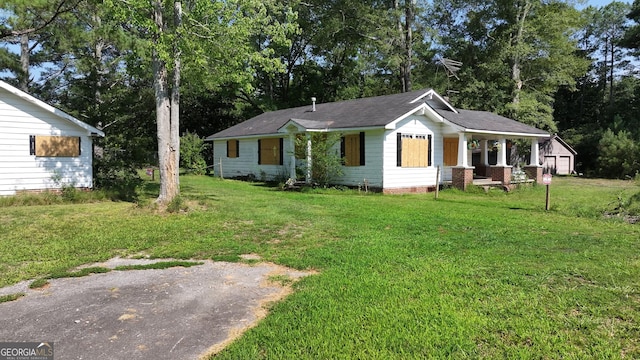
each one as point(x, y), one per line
point(21, 171)
point(396, 177)
point(246, 163)
point(380, 169)
point(371, 171)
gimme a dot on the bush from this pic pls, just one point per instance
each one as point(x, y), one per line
point(618, 156)
point(326, 163)
point(116, 171)
point(192, 149)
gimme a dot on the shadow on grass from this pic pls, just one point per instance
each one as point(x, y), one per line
point(149, 189)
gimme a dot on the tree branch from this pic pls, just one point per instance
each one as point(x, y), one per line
point(59, 10)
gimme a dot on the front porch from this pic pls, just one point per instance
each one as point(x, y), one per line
point(500, 174)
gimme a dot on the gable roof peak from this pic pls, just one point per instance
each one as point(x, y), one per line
point(41, 104)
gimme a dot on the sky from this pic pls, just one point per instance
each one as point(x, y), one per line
point(600, 3)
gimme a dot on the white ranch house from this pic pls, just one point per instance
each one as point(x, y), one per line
point(394, 143)
point(41, 147)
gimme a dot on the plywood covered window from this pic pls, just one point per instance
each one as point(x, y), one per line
point(450, 151)
point(59, 146)
point(352, 149)
point(270, 151)
point(414, 150)
point(233, 148)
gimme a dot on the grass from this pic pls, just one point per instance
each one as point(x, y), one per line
point(471, 275)
point(10, 297)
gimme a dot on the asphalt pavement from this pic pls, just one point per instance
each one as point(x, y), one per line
point(174, 313)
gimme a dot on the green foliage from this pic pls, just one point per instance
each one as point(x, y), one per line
point(192, 149)
point(533, 111)
point(326, 163)
point(515, 54)
point(78, 273)
point(115, 172)
point(619, 155)
point(160, 265)
point(10, 297)
point(177, 204)
point(68, 195)
point(38, 283)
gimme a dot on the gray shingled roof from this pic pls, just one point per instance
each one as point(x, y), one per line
point(367, 112)
point(487, 121)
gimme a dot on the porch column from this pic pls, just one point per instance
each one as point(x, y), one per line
point(308, 177)
point(535, 153)
point(463, 154)
point(482, 169)
point(534, 169)
point(292, 158)
point(484, 154)
point(502, 172)
point(502, 153)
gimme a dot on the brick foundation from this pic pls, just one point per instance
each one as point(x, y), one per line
point(483, 170)
point(502, 174)
point(534, 172)
point(461, 177)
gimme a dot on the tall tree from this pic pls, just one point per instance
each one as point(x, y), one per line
point(211, 42)
point(631, 38)
point(516, 54)
point(24, 25)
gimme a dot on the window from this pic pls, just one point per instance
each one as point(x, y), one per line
point(270, 151)
point(233, 148)
point(59, 146)
point(414, 150)
point(450, 151)
point(352, 149)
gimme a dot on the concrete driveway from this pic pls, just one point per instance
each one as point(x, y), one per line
point(175, 313)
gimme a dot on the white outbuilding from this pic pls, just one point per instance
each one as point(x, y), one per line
point(42, 147)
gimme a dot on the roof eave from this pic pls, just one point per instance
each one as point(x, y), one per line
point(507, 133)
point(423, 108)
point(91, 131)
point(564, 143)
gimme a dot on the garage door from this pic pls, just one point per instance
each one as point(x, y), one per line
point(549, 164)
point(564, 165)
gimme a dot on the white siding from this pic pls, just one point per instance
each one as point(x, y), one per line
point(21, 171)
point(371, 171)
point(396, 177)
point(380, 169)
point(247, 161)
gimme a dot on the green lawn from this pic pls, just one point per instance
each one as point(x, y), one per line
point(470, 275)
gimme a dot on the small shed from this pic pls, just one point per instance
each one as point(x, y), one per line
point(42, 147)
point(557, 157)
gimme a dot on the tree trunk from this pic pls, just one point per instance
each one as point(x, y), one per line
point(611, 79)
point(175, 94)
point(166, 152)
point(99, 67)
point(24, 63)
point(408, 44)
point(401, 46)
point(603, 78)
point(515, 68)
